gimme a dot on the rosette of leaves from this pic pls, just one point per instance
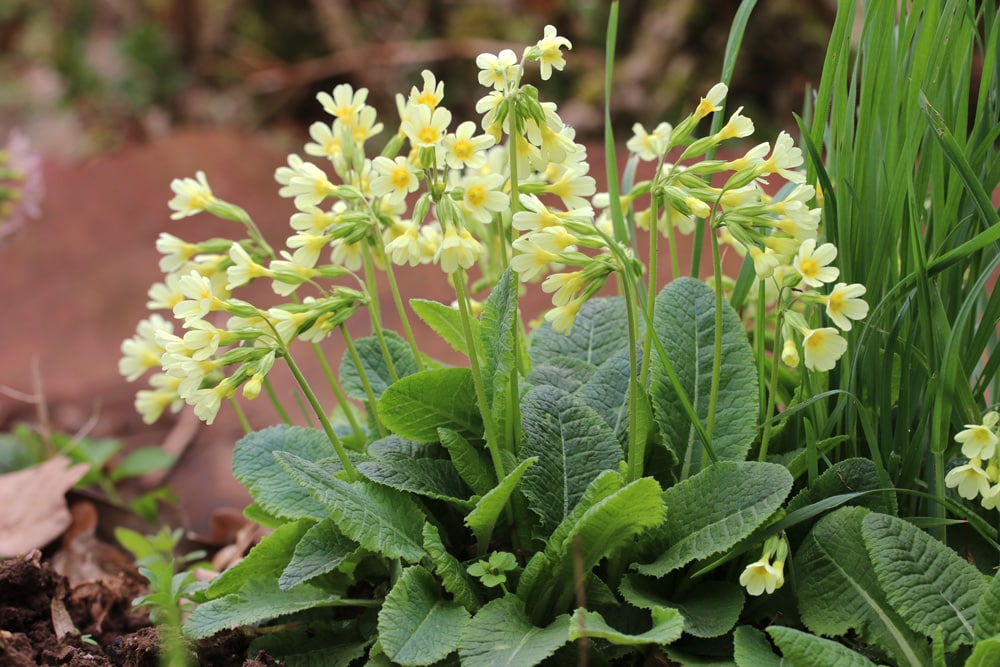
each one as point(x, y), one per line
point(429, 555)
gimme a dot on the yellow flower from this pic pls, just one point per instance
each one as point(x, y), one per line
point(548, 51)
point(424, 127)
point(979, 440)
point(649, 146)
point(843, 304)
point(457, 250)
point(432, 92)
point(811, 263)
point(562, 317)
point(761, 576)
point(823, 347)
point(191, 196)
point(970, 479)
point(712, 101)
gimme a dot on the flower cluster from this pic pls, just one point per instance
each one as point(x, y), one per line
point(780, 235)
point(979, 445)
point(21, 183)
point(767, 574)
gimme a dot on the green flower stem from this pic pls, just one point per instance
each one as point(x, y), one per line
point(765, 438)
point(647, 345)
point(314, 403)
point(515, 200)
point(713, 397)
point(492, 442)
point(760, 346)
point(372, 402)
point(375, 311)
point(338, 393)
point(275, 401)
point(636, 445)
point(240, 415)
point(398, 301)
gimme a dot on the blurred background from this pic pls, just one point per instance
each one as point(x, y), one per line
point(84, 76)
point(122, 96)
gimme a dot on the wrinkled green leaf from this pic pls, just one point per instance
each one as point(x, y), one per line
point(419, 404)
point(500, 634)
point(321, 550)
point(468, 462)
point(597, 334)
point(415, 626)
point(988, 618)
point(842, 594)
point(484, 515)
point(667, 627)
point(374, 366)
point(454, 578)
point(327, 644)
point(434, 478)
point(711, 609)
point(567, 373)
point(926, 582)
point(847, 476)
point(685, 324)
point(270, 486)
point(802, 648)
point(446, 322)
point(573, 446)
point(751, 648)
point(497, 337)
point(266, 560)
point(716, 509)
point(380, 519)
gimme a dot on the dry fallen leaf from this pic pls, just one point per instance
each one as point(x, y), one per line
point(33, 506)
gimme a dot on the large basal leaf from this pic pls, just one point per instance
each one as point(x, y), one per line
point(374, 365)
point(985, 654)
point(270, 486)
point(446, 322)
point(415, 626)
point(667, 628)
point(321, 550)
point(266, 560)
point(607, 523)
point(573, 446)
point(607, 392)
point(433, 478)
point(497, 335)
point(715, 509)
point(802, 648)
point(567, 373)
point(469, 463)
point(988, 618)
point(839, 592)
point(685, 324)
point(500, 635)
point(599, 332)
point(258, 600)
point(751, 648)
point(488, 509)
point(327, 644)
point(419, 404)
point(852, 475)
point(453, 575)
point(710, 608)
point(925, 581)
point(380, 519)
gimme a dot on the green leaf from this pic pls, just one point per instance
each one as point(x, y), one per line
point(751, 648)
point(926, 582)
point(258, 600)
point(573, 446)
point(852, 475)
point(988, 618)
point(607, 392)
point(142, 461)
point(484, 515)
point(373, 364)
point(321, 550)
point(378, 518)
point(597, 334)
point(446, 322)
point(685, 324)
point(567, 373)
point(716, 509)
point(434, 478)
point(500, 634)
point(802, 648)
point(841, 593)
point(497, 337)
point(270, 486)
point(468, 462)
point(710, 609)
point(667, 627)
point(419, 404)
point(454, 577)
point(986, 653)
point(326, 644)
point(415, 626)
point(266, 560)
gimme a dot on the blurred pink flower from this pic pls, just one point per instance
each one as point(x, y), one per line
point(21, 184)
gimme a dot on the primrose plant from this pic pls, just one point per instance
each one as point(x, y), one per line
point(610, 484)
